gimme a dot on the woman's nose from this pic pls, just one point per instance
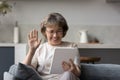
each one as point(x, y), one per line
point(55, 34)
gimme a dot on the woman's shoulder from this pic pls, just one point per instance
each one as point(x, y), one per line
point(69, 44)
point(42, 45)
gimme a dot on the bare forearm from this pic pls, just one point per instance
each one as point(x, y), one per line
point(76, 71)
point(29, 57)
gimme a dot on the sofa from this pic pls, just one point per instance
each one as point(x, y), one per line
point(88, 72)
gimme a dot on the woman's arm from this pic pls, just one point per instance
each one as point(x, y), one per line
point(29, 57)
point(33, 43)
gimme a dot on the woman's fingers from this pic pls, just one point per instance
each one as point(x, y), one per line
point(71, 62)
point(65, 66)
point(63, 63)
point(36, 34)
point(72, 65)
point(33, 35)
point(29, 36)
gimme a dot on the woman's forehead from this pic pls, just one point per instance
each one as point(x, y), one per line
point(54, 27)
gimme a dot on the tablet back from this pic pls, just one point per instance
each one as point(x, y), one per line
point(62, 54)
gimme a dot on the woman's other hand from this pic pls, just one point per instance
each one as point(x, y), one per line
point(33, 40)
point(65, 66)
point(74, 68)
point(70, 66)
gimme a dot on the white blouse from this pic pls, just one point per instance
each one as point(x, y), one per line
point(44, 55)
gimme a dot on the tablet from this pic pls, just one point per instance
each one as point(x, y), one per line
point(62, 54)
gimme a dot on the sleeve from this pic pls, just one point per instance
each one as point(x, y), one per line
point(34, 61)
point(74, 45)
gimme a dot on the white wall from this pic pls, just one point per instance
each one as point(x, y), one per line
point(78, 13)
point(90, 12)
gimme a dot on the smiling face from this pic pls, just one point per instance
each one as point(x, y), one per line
point(54, 35)
point(54, 28)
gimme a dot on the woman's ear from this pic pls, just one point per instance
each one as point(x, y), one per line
point(64, 33)
point(44, 33)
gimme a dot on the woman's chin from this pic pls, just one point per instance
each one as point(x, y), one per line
point(55, 43)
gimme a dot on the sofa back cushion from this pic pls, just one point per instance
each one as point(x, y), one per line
point(100, 72)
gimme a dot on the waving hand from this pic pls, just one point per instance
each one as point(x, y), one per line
point(33, 40)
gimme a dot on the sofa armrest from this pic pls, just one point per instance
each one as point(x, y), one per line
point(8, 76)
point(13, 69)
point(100, 72)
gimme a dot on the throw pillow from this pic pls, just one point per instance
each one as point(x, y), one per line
point(25, 72)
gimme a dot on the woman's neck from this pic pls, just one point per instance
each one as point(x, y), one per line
point(56, 44)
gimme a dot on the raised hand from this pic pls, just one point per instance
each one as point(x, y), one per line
point(33, 40)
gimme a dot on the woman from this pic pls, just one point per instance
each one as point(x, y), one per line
point(54, 27)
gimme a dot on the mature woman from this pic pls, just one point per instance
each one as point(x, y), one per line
point(54, 27)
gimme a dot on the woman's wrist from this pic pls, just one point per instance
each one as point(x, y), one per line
point(31, 51)
point(29, 57)
point(78, 71)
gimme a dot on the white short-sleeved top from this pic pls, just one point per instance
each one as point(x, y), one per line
point(44, 55)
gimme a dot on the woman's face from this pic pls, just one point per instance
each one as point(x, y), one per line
point(54, 35)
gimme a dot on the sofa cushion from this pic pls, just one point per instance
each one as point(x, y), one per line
point(26, 72)
point(100, 72)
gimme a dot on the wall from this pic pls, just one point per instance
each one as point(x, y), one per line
point(101, 19)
